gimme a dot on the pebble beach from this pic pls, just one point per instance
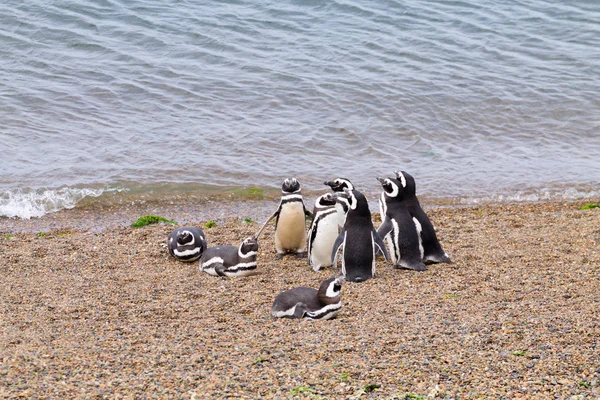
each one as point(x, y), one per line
point(93, 308)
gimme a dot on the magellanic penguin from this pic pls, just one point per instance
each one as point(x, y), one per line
point(338, 185)
point(432, 249)
point(359, 239)
point(401, 230)
point(228, 261)
point(323, 232)
point(290, 223)
point(187, 243)
point(309, 303)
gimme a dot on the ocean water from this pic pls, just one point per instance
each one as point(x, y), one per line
point(479, 100)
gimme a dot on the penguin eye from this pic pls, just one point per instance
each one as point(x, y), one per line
point(337, 288)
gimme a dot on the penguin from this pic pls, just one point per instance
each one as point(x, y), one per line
point(338, 185)
point(359, 239)
point(187, 243)
point(309, 303)
point(228, 261)
point(432, 249)
point(401, 230)
point(323, 232)
point(290, 223)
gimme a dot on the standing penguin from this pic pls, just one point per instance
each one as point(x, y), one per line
point(359, 238)
point(401, 230)
point(323, 232)
point(432, 249)
point(309, 303)
point(186, 243)
point(290, 225)
point(230, 260)
point(338, 185)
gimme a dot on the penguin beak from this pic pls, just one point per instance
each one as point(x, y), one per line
point(340, 279)
point(381, 180)
point(329, 183)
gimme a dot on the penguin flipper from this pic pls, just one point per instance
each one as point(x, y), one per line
point(378, 241)
point(308, 213)
point(385, 228)
point(336, 246)
point(220, 270)
point(275, 214)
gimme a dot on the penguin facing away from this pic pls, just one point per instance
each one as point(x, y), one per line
point(323, 232)
point(290, 222)
point(309, 303)
point(338, 185)
point(229, 261)
point(359, 239)
point(432, 249)
point(186, 243)
point(399, 228)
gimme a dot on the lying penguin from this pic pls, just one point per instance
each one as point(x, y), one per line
point(230, 261)
point(187, 243)
point(309, 303)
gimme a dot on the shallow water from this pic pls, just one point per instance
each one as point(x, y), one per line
point(478, 100)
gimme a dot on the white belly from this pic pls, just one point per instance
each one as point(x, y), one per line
point(322, 246)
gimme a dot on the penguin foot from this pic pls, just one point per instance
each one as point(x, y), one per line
point(279, 256)
point(300, 254)
point(444, 259)
point(412, 267)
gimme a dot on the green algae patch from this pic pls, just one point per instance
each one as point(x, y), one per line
point(151, 219)
point(589, 206)
point(250, 193)
point(210, 224)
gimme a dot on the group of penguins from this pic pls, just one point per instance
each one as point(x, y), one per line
point(340, 220)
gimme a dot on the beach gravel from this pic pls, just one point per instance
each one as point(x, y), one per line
point(87, 313)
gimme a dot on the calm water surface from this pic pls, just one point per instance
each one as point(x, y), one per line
point(477, 99)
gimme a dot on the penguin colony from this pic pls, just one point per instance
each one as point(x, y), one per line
point(341, 227)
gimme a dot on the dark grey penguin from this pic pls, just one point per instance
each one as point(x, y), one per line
point(187, 243)
point(432, 249)
point(401, 230)
point(338, 185)
point(323, 231)
point(359, 239)
point(230, 260)
point(290, 225)
point(309, 303)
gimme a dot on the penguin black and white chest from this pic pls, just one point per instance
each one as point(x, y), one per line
point(338, 185)
point(290, 222)
point(230, 260)
point(187, 243)
point(359, 239)
point(432, 249)
point(323, 231)
point(309, 303)
point(399, 228)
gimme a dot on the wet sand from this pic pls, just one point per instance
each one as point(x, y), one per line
point(92, 308)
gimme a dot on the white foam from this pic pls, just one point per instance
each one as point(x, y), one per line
point(28, 203)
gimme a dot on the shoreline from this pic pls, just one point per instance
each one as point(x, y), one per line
point(109, 313)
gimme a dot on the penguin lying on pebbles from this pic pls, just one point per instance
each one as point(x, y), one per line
point(290, 225)
point(309, 303)
point(230, 261)
point(187, 243)
point(432, 249)
point(323, 232)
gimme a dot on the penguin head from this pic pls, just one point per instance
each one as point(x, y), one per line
point(249, 247)
point(290, 186)
point(330, 289)
point(339, 184)
point(326, 200)
point(392, 187)
point(185, 238)
point(348, 198)
point(410, 188)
